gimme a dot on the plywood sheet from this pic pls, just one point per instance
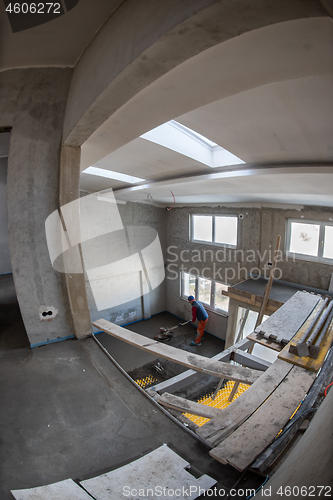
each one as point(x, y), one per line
point(63, 490)
point(286, 321)
point(247, 442)
point(162, 468)
point(221, 426)
point(185, 358)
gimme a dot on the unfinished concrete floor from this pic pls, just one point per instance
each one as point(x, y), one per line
point(68, 412)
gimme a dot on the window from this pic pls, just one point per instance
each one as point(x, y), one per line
point(207, 291)
point(188, 285)
point(328, 243)
point(204, 290)
point(215, 229)
point(310, 240)
point(221, 301)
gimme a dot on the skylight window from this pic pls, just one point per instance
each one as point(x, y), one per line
point(183, 140)
point(110, 174)
point(192, 133)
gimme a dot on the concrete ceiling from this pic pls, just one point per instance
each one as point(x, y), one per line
point(265, 96)
point(286, 122)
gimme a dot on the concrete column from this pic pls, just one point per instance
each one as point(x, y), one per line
point(146, 310)
point(32, 102)
point(75, 282)
point(232, 323)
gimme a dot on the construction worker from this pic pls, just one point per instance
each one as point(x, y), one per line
point(199, 313)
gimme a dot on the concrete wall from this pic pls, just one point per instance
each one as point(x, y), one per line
point(32, 102)
point(5, 264)
point(112, 247)
point(304, 272)
point(258, 230)
point(213, 262)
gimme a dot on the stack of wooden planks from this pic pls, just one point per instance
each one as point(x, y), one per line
point(239, 433)
point(246, 427)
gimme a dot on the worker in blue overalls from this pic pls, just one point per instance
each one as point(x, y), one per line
point(199, 313)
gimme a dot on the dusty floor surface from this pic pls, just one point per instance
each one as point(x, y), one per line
point(68, 412)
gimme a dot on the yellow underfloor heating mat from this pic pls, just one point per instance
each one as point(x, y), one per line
point(146, 381)
point(221, 401)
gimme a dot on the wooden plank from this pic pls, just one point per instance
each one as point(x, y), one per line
point(180, 381)
point(187, 406)
point(251, 361)
point(253, 300)
point(218, 428)
point(266, 459)
point(244, 445)
point(284, 323)
point(185, 358)
point(268, 284)
point(305, 362)
point(263, 306)
point(259, 339)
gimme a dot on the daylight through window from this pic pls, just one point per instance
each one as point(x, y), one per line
point(215, 229)
point(207, 291)
point(309, 240)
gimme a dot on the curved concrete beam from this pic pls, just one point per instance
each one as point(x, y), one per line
point(116, 66)
point(285, 51)
point(229, 172)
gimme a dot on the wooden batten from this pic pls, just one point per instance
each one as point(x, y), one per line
point(252, 299)
point(187, 406)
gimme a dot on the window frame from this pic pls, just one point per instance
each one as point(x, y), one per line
point(213, 242)
point(211, 306)
point(312, 258)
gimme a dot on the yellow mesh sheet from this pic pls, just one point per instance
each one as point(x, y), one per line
point(145, 382)
point(221, 401)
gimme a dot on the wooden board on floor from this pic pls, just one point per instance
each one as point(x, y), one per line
point(304, 361)
point(286, 321)
point(66, 490)
point(221, 426)
point(187, 406)
point(185, 358)
point(161, 468)
point(247, 442)
point(259, 339)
